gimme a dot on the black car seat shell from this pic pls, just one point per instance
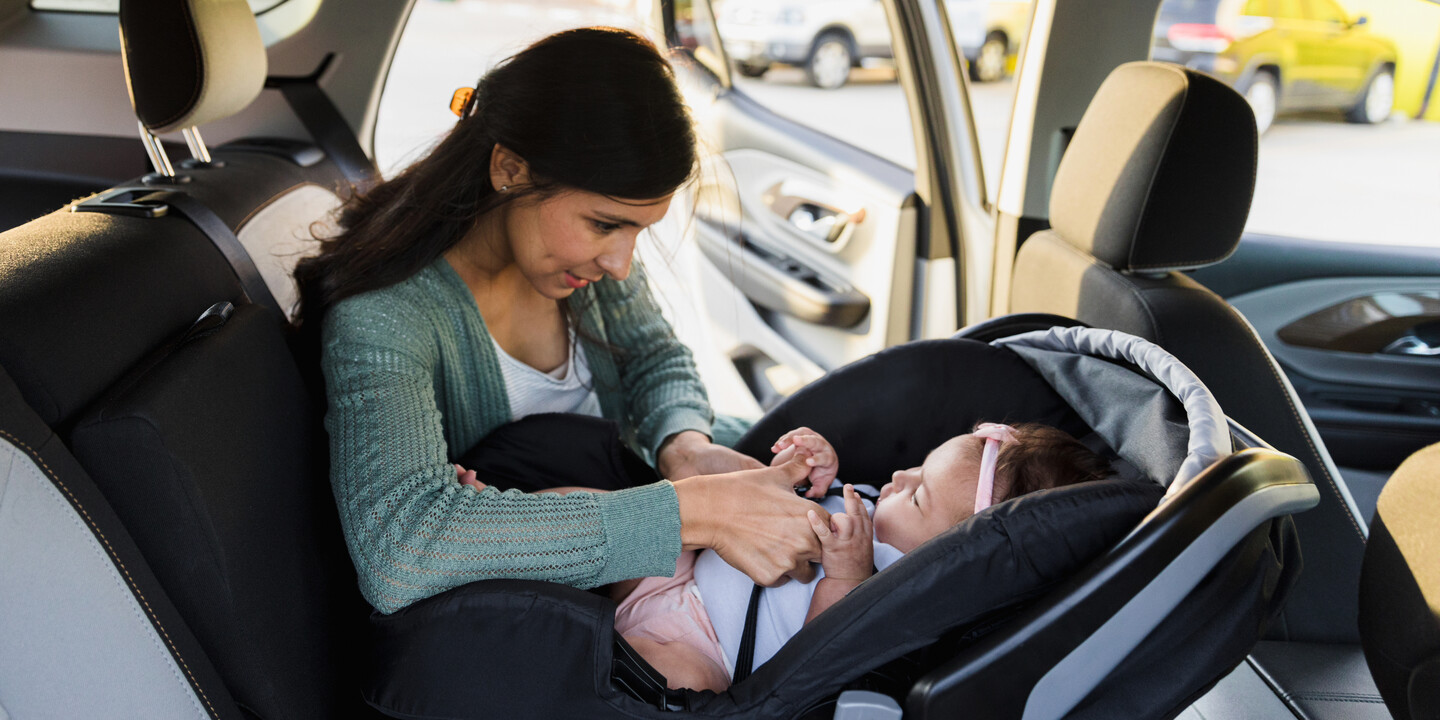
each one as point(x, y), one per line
point(992, 618)
point(1158, 180)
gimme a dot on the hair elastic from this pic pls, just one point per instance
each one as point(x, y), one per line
point(460, 99)
point(995, 435)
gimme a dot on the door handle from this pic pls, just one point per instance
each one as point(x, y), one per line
point(820, 220)
point(771, 279)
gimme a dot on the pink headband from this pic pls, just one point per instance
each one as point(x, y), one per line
point(995, 435)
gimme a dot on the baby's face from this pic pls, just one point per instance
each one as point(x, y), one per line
point(920, 503)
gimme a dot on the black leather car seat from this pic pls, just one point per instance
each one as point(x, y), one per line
point(171, 544)
point(1400, 590)
point(1158, 180)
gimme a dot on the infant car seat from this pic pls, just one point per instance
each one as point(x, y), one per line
point(1120, 598)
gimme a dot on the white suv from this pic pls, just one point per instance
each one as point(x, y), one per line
point(828, 37)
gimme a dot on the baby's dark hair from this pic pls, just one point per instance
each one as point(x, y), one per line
point(1044, 457)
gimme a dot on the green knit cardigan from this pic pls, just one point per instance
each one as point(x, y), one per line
point(413, 381)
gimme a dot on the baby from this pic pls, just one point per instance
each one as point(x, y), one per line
point(688, 626)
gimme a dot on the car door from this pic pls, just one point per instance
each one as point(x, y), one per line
point(1343, 61)
point(815, 251)
point(1356, 329)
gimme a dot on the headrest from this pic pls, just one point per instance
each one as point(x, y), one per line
point(188, 62)
point(1159, 174)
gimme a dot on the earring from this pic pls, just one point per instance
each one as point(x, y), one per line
point(503, 188)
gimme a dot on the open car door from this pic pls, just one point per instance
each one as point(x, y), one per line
point(816, 250)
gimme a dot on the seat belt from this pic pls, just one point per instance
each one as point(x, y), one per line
point(317, 112)
point(224, 240)
point(745, 656)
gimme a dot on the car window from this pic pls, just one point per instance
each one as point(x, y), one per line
point(830, 65)
point(1351, 120)
point(1257, 8)
point(1289, 10)
point(449, 44)
point(113, 6)
point(1326, 11)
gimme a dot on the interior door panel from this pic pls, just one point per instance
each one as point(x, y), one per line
point(1351, 325)
point(807, 246)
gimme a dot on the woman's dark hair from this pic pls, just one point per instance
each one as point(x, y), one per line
point(1044, 457)
point(593, 109)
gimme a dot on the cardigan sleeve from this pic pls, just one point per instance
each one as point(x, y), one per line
point(411, 529)
point(662, 389)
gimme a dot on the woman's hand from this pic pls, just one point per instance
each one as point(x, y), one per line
point(754, 520)
point(690, 453)
point(816, 451)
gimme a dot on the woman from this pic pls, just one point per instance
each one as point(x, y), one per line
point(494, 279)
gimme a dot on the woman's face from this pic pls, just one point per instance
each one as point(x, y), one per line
point(920, 503)
point(566, 241)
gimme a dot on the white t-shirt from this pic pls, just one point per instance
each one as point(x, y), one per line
point(726, 594)
point(566, 389)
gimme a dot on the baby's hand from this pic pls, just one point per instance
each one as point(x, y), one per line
point(818, 454)
point(846, 551)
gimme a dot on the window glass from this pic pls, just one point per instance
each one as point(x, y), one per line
point(1257, 8)
point(828, 65)
point(449, 44)
point(1289, 10)
point(695, 32)
point(113, 6)
point(1350, 153)
point(1326, 11)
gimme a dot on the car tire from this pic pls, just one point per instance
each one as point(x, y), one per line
point(1263, 94)
point(1377, 101)
point(752, 70)
point(828, 66)
point(989, 64)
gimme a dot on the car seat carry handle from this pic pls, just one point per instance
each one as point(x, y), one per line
point(317, 112)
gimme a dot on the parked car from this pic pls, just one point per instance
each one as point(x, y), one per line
point(829, 37)
point(1283, 55)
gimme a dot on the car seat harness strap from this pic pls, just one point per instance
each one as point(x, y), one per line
point(745, 658)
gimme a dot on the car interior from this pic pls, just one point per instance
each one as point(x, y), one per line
point(172, 548)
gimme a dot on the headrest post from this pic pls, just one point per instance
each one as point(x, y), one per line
point(197, 144)
point(156, 151)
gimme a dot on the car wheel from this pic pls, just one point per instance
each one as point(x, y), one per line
point(1377, 101)
point(752, 70)
point(989, 64)
point(1264, 98)
point(830, 61)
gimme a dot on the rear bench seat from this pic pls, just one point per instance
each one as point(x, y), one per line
point(169, 546)
point(199, 463)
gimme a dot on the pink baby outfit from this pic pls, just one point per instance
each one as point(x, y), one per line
point(670, 610)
